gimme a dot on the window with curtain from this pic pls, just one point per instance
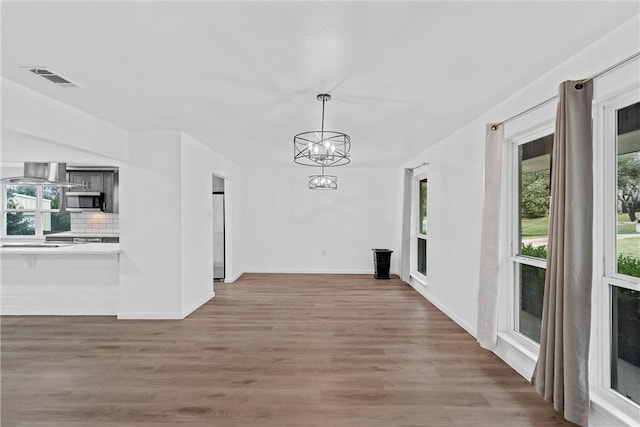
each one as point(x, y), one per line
point(531, 179)
point(422, 228)
point(614, 369)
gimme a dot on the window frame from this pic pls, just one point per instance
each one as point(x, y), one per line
point(419, 234)
point(541, 129)
point(415, 227)
point(37, 212)
point(605, 247)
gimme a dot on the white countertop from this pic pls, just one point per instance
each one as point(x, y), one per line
point(83, 234)
point(75, 249)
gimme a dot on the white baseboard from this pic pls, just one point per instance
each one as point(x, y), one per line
point(279, 271)
point(232, 278)
point(42, 301)
point(198, 304)
point(57, 311)
point(305, 271)
point(423, 290)
point(151, 316)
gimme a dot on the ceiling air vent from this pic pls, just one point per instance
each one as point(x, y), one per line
point(53, 77)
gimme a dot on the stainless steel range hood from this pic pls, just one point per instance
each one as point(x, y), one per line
point(42, 173)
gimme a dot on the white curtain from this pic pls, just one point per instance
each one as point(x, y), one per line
point(561, 373)
point(405, 250)
point(490, 238)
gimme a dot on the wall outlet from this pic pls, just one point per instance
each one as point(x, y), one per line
point(324, 253)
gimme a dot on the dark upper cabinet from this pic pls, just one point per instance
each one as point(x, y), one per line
point(110, 185)
point(102, 181)
point(92, 180)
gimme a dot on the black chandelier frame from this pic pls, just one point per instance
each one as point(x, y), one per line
point(322, 148)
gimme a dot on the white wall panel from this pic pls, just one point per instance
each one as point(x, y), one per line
point(59, 285)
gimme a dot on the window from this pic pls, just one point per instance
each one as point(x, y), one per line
point(422, 228)
point(532, 191)
point(33, 210)
point(624, 262)
point(614, 367)
point(616, 309)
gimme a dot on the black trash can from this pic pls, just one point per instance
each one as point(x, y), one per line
point(381, 262)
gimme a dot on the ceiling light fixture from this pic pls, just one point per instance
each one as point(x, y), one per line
point(323, 182)
point(323, 148)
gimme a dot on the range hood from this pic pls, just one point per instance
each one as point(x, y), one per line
point(42, 173)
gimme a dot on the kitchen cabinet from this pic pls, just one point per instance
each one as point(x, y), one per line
point(110, 191)
point(92, 181)
point(98, 180)
point(54, 238)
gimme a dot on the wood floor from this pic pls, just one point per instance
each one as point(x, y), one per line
point(268, 350)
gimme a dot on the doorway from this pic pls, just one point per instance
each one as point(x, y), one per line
point(218, 228)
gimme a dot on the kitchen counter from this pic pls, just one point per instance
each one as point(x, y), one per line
point(71, 279)
point(77, 234)
point(71, 249)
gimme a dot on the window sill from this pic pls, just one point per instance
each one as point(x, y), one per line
point(418, 277)
point(608, 408)
point(514, 354)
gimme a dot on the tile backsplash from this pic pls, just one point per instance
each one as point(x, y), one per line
point(95, 222)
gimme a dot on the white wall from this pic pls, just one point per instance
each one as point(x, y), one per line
point(235, 199)
point(150, 206)
point(198, 163)
point(196, 224)
point(20, 146)
point(166, 268)
point(289, 227)
point(456, 169)
point(29, 112)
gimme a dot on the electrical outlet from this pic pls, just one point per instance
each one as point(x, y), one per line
point(324, 253)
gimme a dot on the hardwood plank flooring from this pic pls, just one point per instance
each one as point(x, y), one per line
point(269, 350)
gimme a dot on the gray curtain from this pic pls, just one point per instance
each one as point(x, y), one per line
point(561, 373)
point(405, 250)
point(490, 238)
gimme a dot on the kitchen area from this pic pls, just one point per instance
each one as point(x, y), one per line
point(59, 252)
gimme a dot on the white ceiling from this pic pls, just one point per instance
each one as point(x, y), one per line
point(243, 77)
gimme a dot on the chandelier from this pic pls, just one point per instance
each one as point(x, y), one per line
point(322, 148)
point(323, 182)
